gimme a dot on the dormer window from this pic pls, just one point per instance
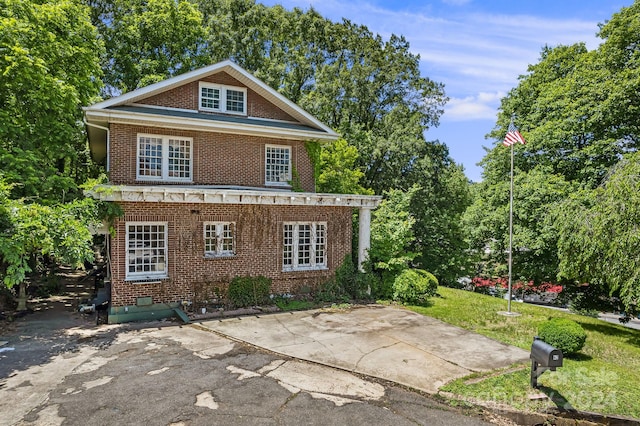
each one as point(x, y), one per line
point(220, 98)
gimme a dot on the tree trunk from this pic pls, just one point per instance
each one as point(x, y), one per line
point(22, 297)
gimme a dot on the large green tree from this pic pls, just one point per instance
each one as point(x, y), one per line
point(577, 110)
point(49, 69)
point(599, 241)
point(147, 40)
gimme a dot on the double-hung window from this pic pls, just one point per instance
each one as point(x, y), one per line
point(164, 158)
point(304, 246)
point(146, 250)
point(277, 165)
point(219, 239)
point(220, 98)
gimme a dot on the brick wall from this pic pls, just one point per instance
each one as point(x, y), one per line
point(218, 158)
point(186, 97)
point(259, 248)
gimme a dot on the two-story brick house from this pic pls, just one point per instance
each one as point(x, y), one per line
point(202, 165)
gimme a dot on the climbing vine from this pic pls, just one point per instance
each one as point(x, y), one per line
point(313, 150)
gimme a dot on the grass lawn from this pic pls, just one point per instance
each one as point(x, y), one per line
point(604, 377)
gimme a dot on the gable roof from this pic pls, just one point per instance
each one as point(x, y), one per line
point(314, 128)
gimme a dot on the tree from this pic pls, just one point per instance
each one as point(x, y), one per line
point(338, 171)
point(147, 41)
point(391, 238)
point(49, 68)
point(599, 240)
point(29, 233)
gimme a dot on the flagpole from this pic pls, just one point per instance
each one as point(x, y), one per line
point(510, 231)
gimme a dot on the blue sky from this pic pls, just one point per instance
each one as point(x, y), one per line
point(477, 48)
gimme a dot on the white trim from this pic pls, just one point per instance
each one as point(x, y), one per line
point(164, 159)
point(219, 230)
point(289, 166)
point(312, 264)
point(235, 71)
point(147, 275)
point(164, 108)
point(195, 123)
point(223, 90)
point(212, 195)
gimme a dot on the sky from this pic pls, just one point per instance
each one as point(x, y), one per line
point(477, 48)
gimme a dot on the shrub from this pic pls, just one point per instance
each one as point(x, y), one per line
point(249, 291)
point(563, 334)
point(347, 284)
point(414, 286)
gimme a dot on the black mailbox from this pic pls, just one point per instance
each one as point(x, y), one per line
point(543, 357)
point(545, 354)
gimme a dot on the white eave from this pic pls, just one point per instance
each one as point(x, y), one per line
point(260, 128)
point(176, 194)
point(233, 70)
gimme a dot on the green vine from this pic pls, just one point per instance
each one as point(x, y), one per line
point(296, 185)
point(313, 150)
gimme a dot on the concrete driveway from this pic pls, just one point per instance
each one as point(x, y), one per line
point(386, 342)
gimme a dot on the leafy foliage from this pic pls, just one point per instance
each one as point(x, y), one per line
point(249, 291)
point(563, 334)
point(49, 67)
point(339, 173)
point(414, 286)
point(576, 110)
point(391, 237)
point(600, 243)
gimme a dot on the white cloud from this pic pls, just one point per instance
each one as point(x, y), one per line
point(481, 106)
point(485, 51)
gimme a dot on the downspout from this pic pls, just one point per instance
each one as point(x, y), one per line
point(84, 120)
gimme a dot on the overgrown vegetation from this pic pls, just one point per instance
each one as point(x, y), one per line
point(249, 291)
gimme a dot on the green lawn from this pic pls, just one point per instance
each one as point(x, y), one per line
point(604, 377)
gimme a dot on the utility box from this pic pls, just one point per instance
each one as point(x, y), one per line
point(543, 357)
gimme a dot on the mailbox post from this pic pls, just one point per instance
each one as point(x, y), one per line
point(543, 357)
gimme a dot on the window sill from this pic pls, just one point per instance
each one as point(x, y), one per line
point(219, 256)
point(308, 269)
point(146, 279)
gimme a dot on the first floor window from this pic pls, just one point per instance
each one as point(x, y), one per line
point(146, 250)
point(164, 158)
point(219, 239)
point(304, 246)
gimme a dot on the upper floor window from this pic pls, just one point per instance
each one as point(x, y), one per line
point(277, 165)
point(220, 98)
point(165, 158)
point(219, 239)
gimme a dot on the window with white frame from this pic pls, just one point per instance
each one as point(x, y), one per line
point(221, 98)
point(277, 165)
point(146, 250)
point(304, 246)
point(219, 239)
point(164, 158)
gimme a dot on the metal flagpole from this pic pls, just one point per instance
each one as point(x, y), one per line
point(510, 229)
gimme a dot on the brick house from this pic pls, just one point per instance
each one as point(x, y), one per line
point(204, 166)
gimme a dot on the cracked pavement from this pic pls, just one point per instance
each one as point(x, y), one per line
point(163, 374)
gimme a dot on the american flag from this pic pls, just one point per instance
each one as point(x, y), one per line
point(513, 136)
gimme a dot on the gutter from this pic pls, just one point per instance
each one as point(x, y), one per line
point(84, 120)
